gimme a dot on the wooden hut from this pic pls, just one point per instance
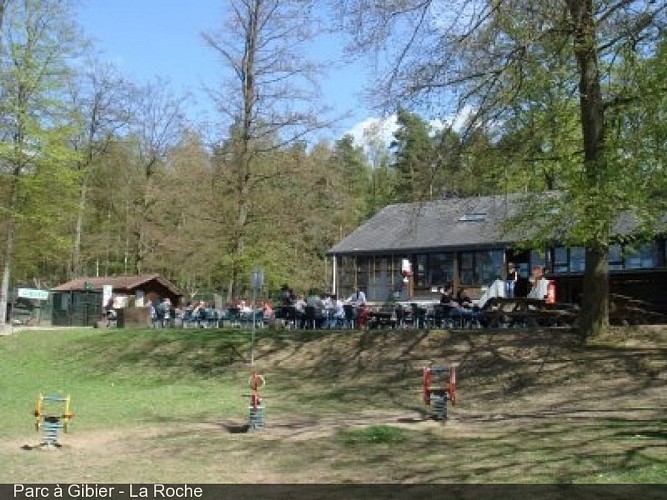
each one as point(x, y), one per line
point(80, 302)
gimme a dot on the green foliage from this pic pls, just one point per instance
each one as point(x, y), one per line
point(414, 159)
point(37, 39)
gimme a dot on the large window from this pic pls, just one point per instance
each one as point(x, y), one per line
point(481, 267)
point(615, 258)
point(421, 271)
point(378, 275)
point(346, 274)
point(642, 257)
point(577, 259)
point(467, 268)
point(560, 260)
point(434, 269)
point(441, 269)
point(569, 260)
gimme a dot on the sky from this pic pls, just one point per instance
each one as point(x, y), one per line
point(146, 39)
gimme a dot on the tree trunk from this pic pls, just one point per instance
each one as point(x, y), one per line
point(9, 250)
point(75, 271)
point(595, 301)
point(6, 271)
point(246, 153)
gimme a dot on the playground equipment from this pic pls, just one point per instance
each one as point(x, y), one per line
point(255, 409)
point(52, 415)
point(439, 386)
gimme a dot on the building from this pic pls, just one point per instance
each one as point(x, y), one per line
point(80, 302)
point(462, 241)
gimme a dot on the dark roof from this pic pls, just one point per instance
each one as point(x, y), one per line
point(447, 223)
point(457, 223)
point(127, 283)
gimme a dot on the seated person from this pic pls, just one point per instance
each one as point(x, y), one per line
point(267, 311)
point(315, 301)
point(300, 303)
point(338, 314)
point(446, 296)
point(464, 299)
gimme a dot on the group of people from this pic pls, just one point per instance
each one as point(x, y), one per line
point(461, 304)
point(161, 312)
point(329, 308)
point(514, 275)
point(330, 311)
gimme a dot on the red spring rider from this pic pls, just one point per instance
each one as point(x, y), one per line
point(439, 386)
point(256, 409)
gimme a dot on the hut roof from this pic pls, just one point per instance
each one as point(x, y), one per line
point(118, 283)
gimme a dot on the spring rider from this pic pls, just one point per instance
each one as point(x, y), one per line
point(256, 408)
point(52, 415)
point(439, 387)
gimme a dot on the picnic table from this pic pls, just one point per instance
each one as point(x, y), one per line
point(383, 316)
point(527, 312)
point(625, 310)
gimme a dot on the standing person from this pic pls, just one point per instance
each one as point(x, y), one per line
point(109, 311)
point(328, 307)
point(286, 296)
point(358, 301)
point(510, 281)
point(165, 307)
point(358, 298)
point(300, 306)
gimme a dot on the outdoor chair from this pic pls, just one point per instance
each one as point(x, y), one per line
point(211, 318)
point(404, 317)
point(419, 316)
point(188, 319)
point(350, 317)
point(290, 316)
point(255, 317)
point(441, 316)
point(310, 317)
point(158, 319)
point(232, 316)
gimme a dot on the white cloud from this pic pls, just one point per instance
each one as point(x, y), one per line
point(374, 129)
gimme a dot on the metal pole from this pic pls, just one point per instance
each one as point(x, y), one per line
point(252, 342)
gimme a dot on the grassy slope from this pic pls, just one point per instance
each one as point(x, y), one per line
point(165, 406)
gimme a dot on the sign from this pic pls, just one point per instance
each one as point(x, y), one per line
point(33, 293)
point(257, 279)
point(107, 293)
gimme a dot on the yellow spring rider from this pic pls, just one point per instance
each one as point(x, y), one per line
point(52, 415)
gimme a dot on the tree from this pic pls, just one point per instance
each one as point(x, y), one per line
point(382, 176)
point(414, 159)
point(38, 38)
point(158, 124)
point(487, 56)
point(99, 108)
point(267, 99)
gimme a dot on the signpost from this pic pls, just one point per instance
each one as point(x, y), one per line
point(257, 283)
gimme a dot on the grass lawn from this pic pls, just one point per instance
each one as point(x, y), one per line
point(341, 407)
